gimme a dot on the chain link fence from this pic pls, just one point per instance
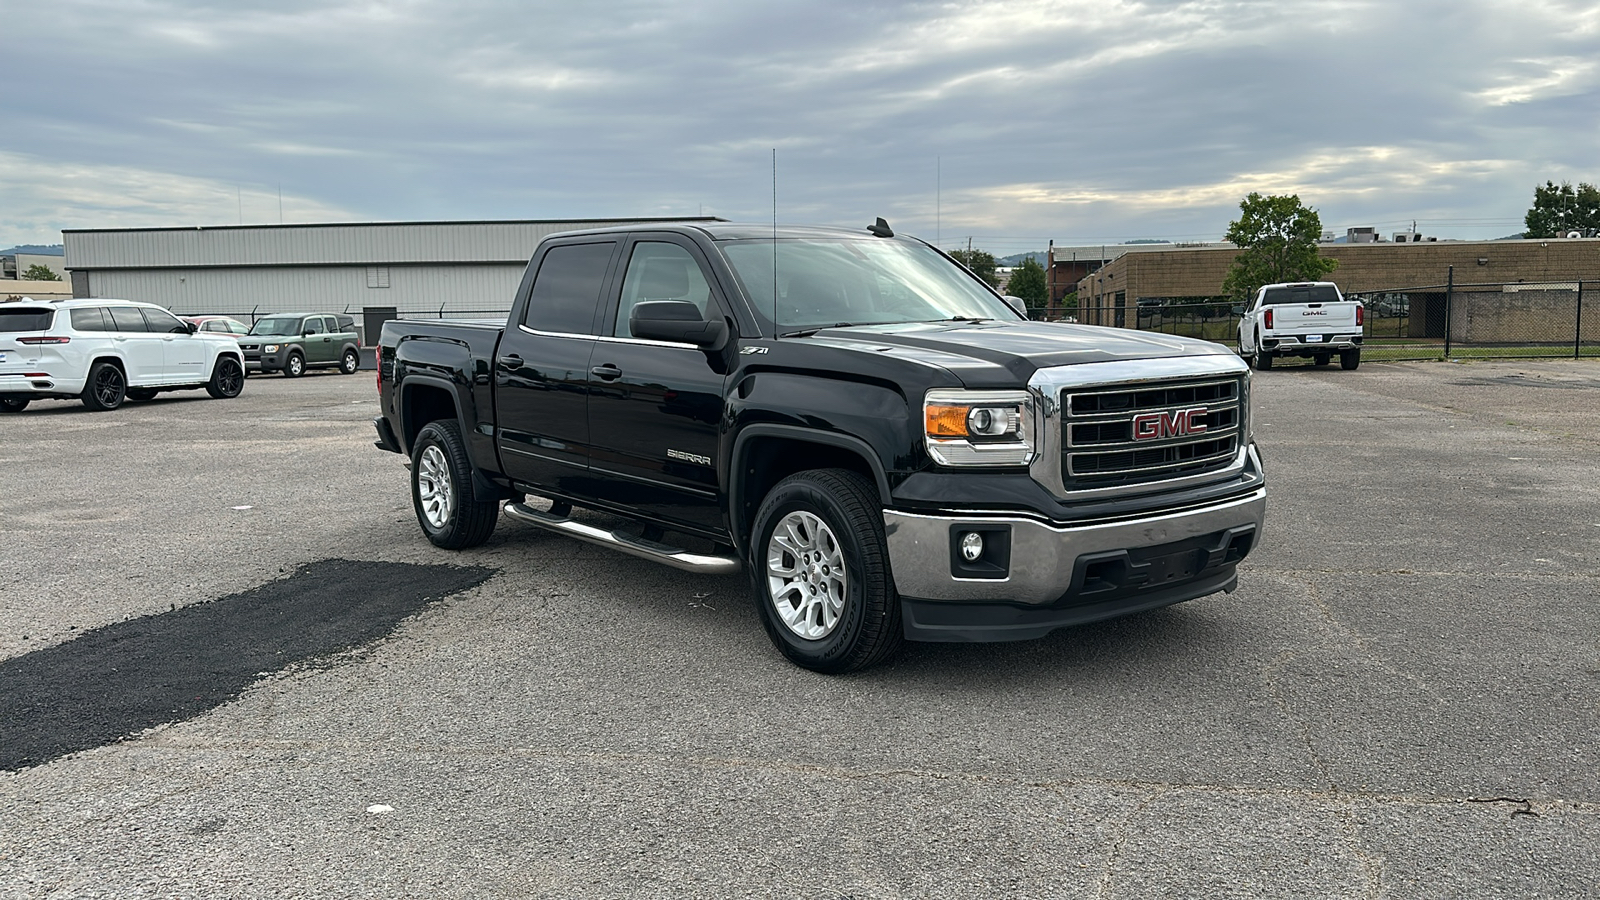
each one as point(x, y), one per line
point(1480, 320)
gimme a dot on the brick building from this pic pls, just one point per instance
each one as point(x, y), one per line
point(1175, 274)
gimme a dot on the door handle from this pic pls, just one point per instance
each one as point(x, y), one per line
point(606, 372)
point(511, 362)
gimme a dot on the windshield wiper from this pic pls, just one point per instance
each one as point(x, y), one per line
point(967, 319)
point(813, 330)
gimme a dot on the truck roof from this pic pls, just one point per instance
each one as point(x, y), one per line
point(734, 231)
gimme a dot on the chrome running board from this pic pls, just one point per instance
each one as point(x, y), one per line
point(627, 543)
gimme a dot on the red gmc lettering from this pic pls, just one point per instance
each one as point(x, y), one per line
point(1178, 423)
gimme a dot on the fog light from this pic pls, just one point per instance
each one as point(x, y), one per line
point(971, 546)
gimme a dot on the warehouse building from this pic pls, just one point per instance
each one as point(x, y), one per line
point(370, 271)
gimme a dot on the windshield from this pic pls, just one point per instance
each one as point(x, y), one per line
point(277, 326)
point(822, 282)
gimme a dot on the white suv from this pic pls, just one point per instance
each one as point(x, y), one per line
point(107, 351)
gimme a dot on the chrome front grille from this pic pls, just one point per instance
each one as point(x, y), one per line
point(1126, 435)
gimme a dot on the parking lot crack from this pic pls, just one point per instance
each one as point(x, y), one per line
point(1270, 675)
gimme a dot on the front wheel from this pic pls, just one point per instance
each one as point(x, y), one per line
point(294, 366)
point(107, 387)
point(821, 569)
point(1349, 359)
point(13, 405)
point(227, 379)
point(350, 362)
point(141, 394)
point(441, 490)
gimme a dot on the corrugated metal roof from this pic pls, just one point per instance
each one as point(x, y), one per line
point(376, 243)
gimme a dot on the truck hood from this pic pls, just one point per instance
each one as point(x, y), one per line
point(1002, 353)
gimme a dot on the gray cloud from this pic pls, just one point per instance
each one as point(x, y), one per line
point(1014, 122)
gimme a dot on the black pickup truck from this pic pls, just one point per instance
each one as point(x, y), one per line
point(887, 446)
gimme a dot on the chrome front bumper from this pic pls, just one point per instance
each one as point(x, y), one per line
point(1061, 575)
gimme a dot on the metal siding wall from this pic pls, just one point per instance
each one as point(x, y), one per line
point(242, 291)
point(325, 244)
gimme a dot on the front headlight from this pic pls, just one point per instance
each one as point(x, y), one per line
point(978, 428)
point(270, 348)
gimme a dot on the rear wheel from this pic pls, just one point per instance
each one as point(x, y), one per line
point(441, 490)
point(821, 570)
point(227, 379)
point(1349, 359)
point(10, 405)
point(294, 366)
point(1263, 359)
point(1323, 359)
point(141, 394)
point(106, 388)
point(349, 363)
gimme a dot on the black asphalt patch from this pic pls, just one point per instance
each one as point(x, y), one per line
point(116, 681)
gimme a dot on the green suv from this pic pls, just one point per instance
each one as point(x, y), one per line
point(291, 344)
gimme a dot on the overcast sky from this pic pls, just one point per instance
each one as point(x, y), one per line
point(1011, 122)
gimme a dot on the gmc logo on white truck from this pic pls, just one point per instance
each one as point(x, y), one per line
point(1177, 423)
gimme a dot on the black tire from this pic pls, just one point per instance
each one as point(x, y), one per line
point(1263, 359)
point(10, 405)
point(105, 388)
point(349, 363)
point(294, 366)
point(227, 379)
point(141, 394)
point(1349, 360)
point(1322, 359)
point(867, 629)
point(439, 463)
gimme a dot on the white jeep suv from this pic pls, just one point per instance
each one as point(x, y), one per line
point(107, 351)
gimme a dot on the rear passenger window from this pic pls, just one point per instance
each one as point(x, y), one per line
point(567, 289)
point(127, 318)
point(92, 318)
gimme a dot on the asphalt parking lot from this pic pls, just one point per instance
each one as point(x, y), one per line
point(1399, 701)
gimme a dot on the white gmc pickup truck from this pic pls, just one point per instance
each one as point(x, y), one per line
point(1307, 319)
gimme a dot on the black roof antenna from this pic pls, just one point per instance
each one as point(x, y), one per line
point(881, 228)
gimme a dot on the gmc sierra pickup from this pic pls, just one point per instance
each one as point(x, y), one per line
point(1307, 319)
point(888, 448)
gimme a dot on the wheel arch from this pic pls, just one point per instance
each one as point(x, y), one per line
point(424, 400)
point(765, 454)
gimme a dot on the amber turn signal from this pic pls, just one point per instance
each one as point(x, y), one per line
point(946, 421)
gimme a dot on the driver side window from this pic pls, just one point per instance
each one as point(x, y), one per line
point(660, 271)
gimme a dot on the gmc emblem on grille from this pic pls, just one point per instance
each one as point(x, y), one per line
point(1178, 423)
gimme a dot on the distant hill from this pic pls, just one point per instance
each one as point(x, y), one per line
point(1016, 258)
point(36, 250)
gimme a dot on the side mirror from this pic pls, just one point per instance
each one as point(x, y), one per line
point(1018, 305)
point(307, 333)
point(192, 327)
point(676, 320)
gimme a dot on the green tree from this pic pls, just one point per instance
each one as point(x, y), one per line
point(1558, 209)
point(980, 262)
point(1277, 238)
point(37, 272)
point(1028, 282)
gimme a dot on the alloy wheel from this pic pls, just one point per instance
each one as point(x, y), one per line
point(806, 576)
point(433, 487)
